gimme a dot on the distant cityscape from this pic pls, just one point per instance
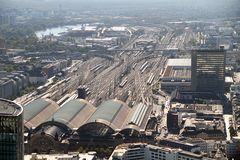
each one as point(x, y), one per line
point(76, 85)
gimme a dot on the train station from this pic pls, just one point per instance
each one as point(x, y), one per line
point(78, 121)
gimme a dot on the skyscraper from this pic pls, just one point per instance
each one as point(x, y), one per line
point(2, 43)
point(208, 70)
point(11, 131)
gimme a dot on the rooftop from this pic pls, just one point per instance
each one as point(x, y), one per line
point(81, 156)
point(38, 111)
point(138, 117)
point(73, 114)
point(201, 124)
point(9, 108)
point(179, 62)
point(206, 108)
point(178, 70)
point(113, 112)
point(118, 28)
point(229, 80)
point(121, 149)
point(207, 50)
point(173, 72)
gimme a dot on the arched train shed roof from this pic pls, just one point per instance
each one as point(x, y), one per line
point(138, 118)
point(73, 114)
point(111, 113)
point(38, 111)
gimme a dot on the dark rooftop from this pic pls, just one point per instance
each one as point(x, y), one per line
point(9, 108)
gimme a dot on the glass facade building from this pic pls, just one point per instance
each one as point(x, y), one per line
point(11, 131)
point(208, 70)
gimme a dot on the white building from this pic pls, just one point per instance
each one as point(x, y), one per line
point(74, 156)
point(142, 151)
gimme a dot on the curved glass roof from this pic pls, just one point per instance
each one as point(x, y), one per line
point(34, 107)
point(138, 117)
point(73, 114)
point(38, 111)
point(107, 110)
point(112, 112)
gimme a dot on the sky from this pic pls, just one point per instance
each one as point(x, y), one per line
point(123, 2)
point(202, 3)
point(207, 7)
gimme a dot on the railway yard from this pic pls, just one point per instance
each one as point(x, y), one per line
point(128, 76)
point(122, 79)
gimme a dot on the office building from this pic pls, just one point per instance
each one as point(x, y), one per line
point(11, 131)
point(140, 151)
point(208, 70)
point(172, 143)
point(174, 120)
point(2, 43)
point(233, 148)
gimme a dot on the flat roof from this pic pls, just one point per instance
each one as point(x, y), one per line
point(81, 156)
point(205, 108)
point(125, 147)
point(172, 72)
point(207, 50)
point(179, 62)
point(190, 154)
point(202, 124)
point(118, 28)
point(9, 108)
point(229, 80)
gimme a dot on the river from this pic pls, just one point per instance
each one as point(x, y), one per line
point(56, 31)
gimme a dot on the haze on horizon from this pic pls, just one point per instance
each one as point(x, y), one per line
point(206, 8)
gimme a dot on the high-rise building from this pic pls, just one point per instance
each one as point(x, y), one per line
point(208, 70)
point(2, 43)
point(174, 121)
point(233, 148)
point(11, 131)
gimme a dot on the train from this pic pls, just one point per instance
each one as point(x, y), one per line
point(134, 65)
point(67, 79)
point(123, 83)
point(41, 89)
point(144, 64)
point(92, 69)
point(96, 68)
point(144, 68)
point(161, 73)
point(150, 79)
point(121, 53)
point(137, 53)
